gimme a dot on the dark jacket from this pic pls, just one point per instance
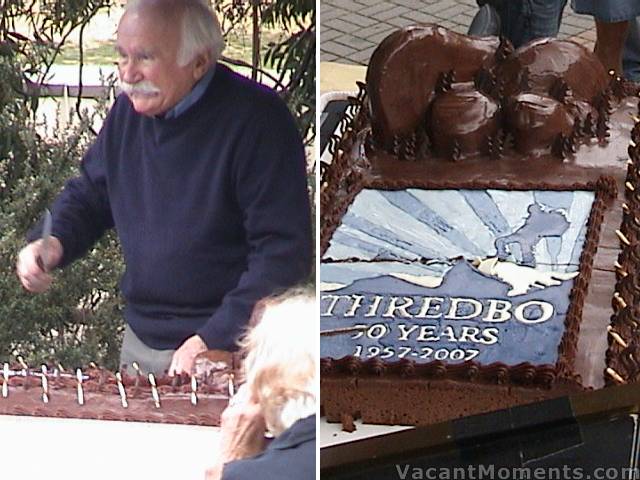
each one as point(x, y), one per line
point(292, 455)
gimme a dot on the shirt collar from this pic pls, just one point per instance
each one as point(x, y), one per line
point(193, 96)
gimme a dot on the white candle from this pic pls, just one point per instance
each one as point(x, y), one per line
point(80, 391)
point(123, 393)
point(194, 387)
point(154, 390)
point(5, 381)
point(45, 385)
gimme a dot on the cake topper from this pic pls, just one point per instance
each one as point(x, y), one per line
point(154, 390)
point(79, 387)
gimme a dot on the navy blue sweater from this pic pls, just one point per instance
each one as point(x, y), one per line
point(292, 455)
point(211, 209)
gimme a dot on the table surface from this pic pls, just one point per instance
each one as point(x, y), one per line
point(70, 449)
point(340, 77)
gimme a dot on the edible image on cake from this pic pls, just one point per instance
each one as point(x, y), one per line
point(453, 275)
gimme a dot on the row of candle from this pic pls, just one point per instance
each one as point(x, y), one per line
point(6, 373)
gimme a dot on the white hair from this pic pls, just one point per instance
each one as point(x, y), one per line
point(282, 358)
point(200, 32)
point(200, 29)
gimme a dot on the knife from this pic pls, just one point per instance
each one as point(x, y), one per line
point(43, 258)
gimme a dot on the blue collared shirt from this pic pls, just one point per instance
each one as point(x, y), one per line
point(193, 96)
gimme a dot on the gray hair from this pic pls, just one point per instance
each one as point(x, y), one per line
point(201, 32)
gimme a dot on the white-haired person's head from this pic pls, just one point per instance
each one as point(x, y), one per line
point(200, 28)
point(164, 48)
point(281, 359)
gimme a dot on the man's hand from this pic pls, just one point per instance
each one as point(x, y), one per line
point(184, 357)
point(32, 277)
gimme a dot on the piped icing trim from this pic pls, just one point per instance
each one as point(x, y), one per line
point(623, 352)
point(102, 399)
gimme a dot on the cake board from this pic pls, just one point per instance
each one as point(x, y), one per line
point(594, 430)
point(74, 449)
point(577, 422)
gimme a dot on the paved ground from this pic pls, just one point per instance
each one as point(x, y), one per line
point(351, 29)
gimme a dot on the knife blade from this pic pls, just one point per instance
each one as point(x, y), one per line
point(43, 258)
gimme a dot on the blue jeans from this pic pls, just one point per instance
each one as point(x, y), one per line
point(526, 20)
point(631, 53)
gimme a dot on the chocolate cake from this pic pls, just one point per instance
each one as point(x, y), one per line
point(98, 394)
point(468, 233)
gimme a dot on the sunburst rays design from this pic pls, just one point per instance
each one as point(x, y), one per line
point(386, 229)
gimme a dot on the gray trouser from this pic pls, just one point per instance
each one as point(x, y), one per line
point(149, 359)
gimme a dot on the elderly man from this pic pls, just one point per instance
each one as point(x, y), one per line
point(202, 174)
point(281, 357)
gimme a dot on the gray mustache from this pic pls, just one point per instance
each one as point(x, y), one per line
point(140, 88)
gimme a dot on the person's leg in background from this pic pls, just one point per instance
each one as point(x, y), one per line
point(609, 44)
point(612, 22)
point(526, 20)
point(631, 52)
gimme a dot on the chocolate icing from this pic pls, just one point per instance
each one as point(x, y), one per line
point(401, 79)
point(536, 122)
point(543, 62)
point(457, 83)
point(102, 399)
point(461, 121)
point(588, 152)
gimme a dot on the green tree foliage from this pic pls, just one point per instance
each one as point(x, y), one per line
point(79, 319)
point(295, 58)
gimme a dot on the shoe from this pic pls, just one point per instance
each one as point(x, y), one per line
point(486, 23)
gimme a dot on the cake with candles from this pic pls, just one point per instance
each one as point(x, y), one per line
point(474, 251)
point(96, 393)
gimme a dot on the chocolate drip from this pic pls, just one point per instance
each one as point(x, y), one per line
point(445, 81)
point(485, 81)
point(524, 84)
point(505, 49)
point(560, 90)
point(497, 144)
point(456, 152)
